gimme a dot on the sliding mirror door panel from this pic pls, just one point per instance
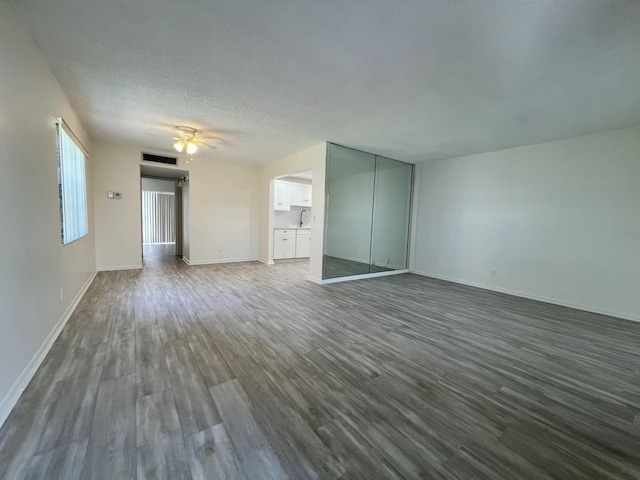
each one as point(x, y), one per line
point(391, 213)
point(349, 211)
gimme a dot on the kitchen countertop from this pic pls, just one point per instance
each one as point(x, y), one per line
point(292, 228)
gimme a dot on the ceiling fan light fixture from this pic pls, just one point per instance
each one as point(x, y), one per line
point(179, 146)
point(191, 148)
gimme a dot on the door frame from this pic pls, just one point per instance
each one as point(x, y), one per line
point(178, 233)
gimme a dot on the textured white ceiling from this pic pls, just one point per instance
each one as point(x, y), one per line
point(414, 80)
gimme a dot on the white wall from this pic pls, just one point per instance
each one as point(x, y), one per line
point(223, 212)
point(33, 264)
point(558, 221)
point(118, 227)
point(313, 159)
point(221, 203)
point(158, 185)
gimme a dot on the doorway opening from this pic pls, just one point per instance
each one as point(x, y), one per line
point(162, 212)
point(292, 217)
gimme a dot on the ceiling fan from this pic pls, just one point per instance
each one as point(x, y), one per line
point(188, 140)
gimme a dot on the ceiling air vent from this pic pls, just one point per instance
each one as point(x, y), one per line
point(149, 157)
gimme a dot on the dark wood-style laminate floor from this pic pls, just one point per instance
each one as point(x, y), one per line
point(249, 371)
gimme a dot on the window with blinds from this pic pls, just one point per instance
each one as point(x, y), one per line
point(72, 186)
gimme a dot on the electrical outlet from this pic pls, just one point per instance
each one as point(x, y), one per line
point(493, 273)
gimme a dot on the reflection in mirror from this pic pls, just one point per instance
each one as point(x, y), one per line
point(368, 203)
point(349, 207)
point(392, 204)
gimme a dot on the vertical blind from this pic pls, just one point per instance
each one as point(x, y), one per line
point(72, 187)
point(158, 217)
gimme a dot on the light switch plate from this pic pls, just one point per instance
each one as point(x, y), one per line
point(117, 195)
point(109, 194)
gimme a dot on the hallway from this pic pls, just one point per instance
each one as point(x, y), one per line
point(159, 255)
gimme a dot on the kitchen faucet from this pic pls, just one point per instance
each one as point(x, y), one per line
point(303, 211)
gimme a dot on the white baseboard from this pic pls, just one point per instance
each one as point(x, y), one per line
point(219, 260)
point(185, 260)
point(266, 262)
point(12, 396)
point(361, 277)
point(120, 267)
point(532, 296)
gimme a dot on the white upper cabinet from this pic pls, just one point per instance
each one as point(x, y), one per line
point(301, 195)
point(297, 193)
point(307, 196)
point(281, 195)
point(286, 194)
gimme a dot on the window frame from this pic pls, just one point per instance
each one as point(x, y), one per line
point(74, 196)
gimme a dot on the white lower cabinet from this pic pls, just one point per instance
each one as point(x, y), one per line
point(303, 243)
point(284, 243)
point(291, 243)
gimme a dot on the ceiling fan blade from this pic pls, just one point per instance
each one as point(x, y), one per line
point(156, 135)
point(189, 135)
point(210, 142)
